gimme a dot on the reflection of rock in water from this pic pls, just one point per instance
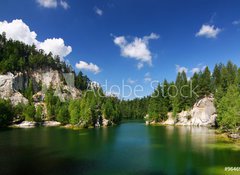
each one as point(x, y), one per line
point(196, 138)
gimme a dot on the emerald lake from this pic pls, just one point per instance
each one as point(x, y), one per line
point(130, 148)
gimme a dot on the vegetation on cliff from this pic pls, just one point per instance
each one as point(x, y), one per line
point(93, 106)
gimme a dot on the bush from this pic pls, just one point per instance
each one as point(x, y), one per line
point(6, 113)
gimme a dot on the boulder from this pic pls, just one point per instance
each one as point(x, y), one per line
point(203, 113)
point(26, 124)
point(51, 123)
point(183, 118)
point(106, 122)
point(170, 120)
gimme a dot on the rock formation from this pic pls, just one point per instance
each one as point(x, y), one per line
point(9, 86)
point(12, 85)
point(202, 114)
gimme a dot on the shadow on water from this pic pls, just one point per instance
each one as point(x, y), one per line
point(27, 161)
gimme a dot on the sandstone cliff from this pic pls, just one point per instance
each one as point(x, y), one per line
point(12, 85)
point(203, 113)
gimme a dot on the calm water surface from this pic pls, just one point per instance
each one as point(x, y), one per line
point(130, 148)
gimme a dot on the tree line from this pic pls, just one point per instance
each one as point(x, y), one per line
point(222, 83)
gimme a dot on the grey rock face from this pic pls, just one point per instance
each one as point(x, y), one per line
point(202, 114)
point(8, 83)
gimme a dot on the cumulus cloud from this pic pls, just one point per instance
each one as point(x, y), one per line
point(82, 65)
point(48, 3)
point(56, 46)
point(181, 69)
point(137, 49)
point(18, 30)
point(53, 4)
point(208, 31)
point(98, 11)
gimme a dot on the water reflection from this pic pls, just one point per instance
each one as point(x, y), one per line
point(131, 148)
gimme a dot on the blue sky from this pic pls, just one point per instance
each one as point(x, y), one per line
point(91, 27)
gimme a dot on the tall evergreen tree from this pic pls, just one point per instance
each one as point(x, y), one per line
point(229, 109)
point(205, 83)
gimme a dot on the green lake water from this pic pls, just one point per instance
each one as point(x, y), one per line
point(130, 148)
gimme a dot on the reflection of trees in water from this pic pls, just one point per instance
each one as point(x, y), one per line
point(185, 150)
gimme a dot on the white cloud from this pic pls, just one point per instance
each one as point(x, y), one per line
point(130, 81)
point(64, 4)
point(48, 3)
point(198, 69)
point(53, 3)
point(82, 65)
point(195, 70)
point(147, 77)
point(181, 69)
point(137, 49)
point(18, 30)
point(56, 46)
point(236, 22)
point(98, 11)
point(208, 31)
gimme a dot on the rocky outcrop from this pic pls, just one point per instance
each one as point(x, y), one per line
point(47, 77)
point(170, 120)
point(203, 113)
point(63, 84)
point(25, 124)
point(9, 86)
point(51, 123)
point(106, 122)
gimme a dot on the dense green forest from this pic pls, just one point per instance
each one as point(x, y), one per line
point(222, 83)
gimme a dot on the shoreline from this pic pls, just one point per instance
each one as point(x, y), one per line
point(229, 135)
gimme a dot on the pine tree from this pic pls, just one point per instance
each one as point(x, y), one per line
point(205, 83)
point(231, 72)
point(216, 76)
point(29, 112)
point(157, 110)
point(63, 114)
point(6, 112)
point(39, 111)
point(229, 109)
point(74, 111)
